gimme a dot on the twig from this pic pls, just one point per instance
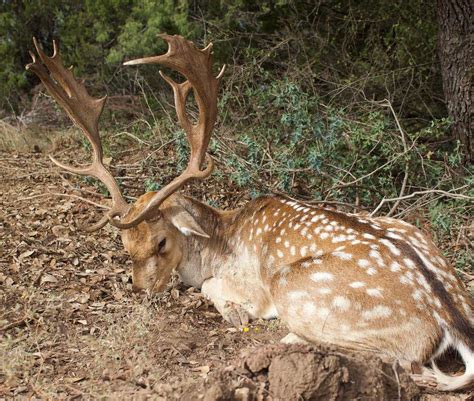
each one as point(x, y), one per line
point(18, 323)
point(133, 137)
point(395, 371)
point(76, 392)
point(429, 191)
point(159, 148)
point(75, 187)
point(405, 149)
point(38, 392)
point(352, 205)
point(376, 170)
point(64, 195)
point(139, 84)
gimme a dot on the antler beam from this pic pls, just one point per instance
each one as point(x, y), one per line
point(85, 112)
point(196, 66)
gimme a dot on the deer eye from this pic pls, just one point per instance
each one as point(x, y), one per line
point(161, 245)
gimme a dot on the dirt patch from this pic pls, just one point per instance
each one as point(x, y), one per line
point(301, 372)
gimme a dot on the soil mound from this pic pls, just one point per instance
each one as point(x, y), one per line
point(302, 372)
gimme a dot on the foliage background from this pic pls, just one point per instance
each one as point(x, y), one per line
point(335, 101)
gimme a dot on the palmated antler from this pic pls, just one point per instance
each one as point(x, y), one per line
point(196, 66)
point(85, 112)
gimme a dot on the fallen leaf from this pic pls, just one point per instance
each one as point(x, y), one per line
point(26, 254)
point(48, 278)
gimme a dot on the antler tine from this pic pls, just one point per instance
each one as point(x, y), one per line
point(84, 111)
point(196, 66)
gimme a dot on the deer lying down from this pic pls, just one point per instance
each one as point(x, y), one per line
point(366, 283)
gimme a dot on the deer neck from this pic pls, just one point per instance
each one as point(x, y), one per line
point(225, 249)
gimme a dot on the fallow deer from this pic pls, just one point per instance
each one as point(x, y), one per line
point(365, 283)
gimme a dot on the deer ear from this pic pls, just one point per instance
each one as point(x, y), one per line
point(185, 222)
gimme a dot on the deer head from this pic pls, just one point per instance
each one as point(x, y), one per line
point(154, 226)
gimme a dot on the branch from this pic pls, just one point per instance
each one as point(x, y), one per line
point(66, 196)
point(405, 148)
point(347, 184)
point(429, 191)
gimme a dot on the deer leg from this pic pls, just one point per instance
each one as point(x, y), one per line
point(227, 301)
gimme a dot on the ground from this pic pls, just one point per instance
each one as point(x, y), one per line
point(71, 328)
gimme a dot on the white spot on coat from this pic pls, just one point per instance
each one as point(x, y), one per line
point(342, 255)
point(357, 284)
point(395, 267)
point(417, 295)
point(341, 303)
point(379, 311)
point(363, 262)
point(374, 292)
point(296, 295)
point(322, 276)
point(339, 238)
point(324, 291)
point(393, 235)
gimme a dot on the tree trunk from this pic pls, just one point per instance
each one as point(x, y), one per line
point(456, 56)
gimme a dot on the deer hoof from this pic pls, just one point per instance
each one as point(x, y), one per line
point(235, 314)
